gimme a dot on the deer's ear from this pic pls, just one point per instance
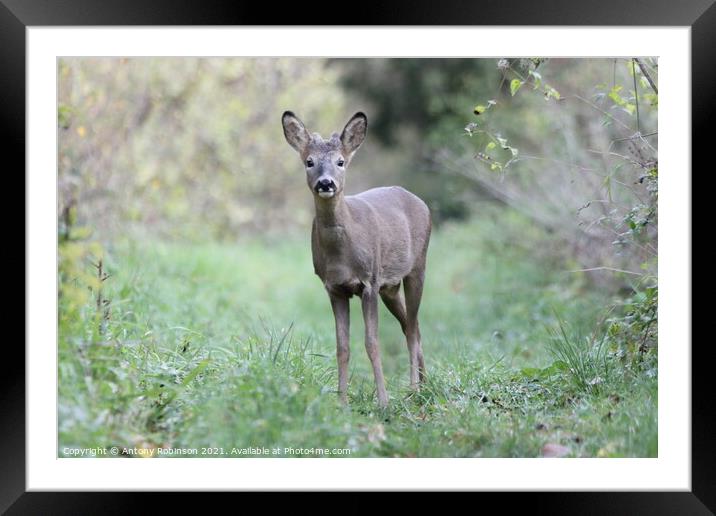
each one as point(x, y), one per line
point(354, 133)
point(295, 132)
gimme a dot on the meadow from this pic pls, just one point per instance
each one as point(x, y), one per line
point(231, 346)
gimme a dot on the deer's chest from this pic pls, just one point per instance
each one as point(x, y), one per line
point(340, 261)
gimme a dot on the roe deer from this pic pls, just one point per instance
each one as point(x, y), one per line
point(363, 245)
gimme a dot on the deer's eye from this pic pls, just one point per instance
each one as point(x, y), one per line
point(341, 162)
point(309, 162)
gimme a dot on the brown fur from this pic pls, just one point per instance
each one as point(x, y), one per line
point(364, 245)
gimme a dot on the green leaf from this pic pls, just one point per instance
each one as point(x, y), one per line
point(490, 146)
point(530, 372)
point(64, 116)
point(479, 109)
point(554, 368)
point(550, 92)
point(537, 79)
point(193, 374)
point(515, 85)
point(614, 95)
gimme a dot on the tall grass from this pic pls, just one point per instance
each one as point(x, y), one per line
point(232, 346)
point(585, 357)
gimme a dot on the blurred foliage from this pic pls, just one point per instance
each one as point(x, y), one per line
point(547, 167)
point(76, 253)
point(193, 148)
point(201, 349)
point(187, 148)
point(420, 105)
point(572, 143)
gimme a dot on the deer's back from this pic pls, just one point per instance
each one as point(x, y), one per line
point(398, 222)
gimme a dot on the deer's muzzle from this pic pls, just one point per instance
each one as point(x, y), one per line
point(325, 188)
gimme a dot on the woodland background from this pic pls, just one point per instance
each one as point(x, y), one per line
point(189, 313)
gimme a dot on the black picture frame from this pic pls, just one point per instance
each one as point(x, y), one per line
point(17, 15)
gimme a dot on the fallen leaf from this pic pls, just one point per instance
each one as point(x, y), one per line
point(376, 433)
point(554, 450)
point(607, 451)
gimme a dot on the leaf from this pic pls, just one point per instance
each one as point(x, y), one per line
point(537, 79)
point(64, 116)
point(490, 146)
point(376, 433)
point(531, 372)
point(554, 450)
point(550, 92)
point(193, 374)
point(481, 108)
point(607, 451)
point(614, 95)
point(515, 85)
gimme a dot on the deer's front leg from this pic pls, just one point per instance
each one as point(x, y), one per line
point(341, 313)
point(369, 300)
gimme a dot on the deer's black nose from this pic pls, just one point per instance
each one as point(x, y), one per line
point(325, 185)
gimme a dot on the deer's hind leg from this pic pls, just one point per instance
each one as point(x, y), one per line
point(369, 302)
point(393, 300)
point(413, 285)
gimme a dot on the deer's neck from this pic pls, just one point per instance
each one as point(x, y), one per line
point(333, 222)
point(332, 213)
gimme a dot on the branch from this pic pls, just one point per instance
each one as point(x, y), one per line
point(635, 137)
point(607, 269)
point(591, 104)
point(636, 96)
point(646, 74)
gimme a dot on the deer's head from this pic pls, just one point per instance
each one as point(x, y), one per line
point(325, 161)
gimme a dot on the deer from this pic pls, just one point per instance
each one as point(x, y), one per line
point(363, 245)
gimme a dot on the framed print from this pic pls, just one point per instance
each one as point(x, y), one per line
point(206, 192)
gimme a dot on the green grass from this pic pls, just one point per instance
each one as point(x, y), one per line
point(232, 346)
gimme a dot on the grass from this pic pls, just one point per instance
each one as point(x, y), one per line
point(230, 347)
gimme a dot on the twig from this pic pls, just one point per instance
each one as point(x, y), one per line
point(561, 162)
point(646, 334)
point(607, 269)
point(646, 74)
point(635, 137)
point(636, 95)
point(617, 155)
point(602, 111)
